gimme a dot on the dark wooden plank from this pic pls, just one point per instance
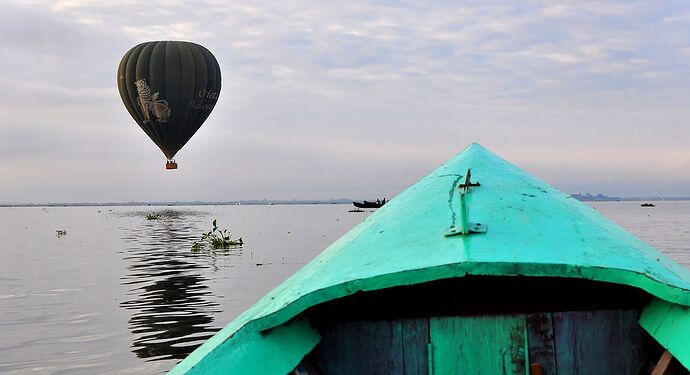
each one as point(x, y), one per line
point(598, 342)
point(360, 347)
point(487, 344)
point(415, 334)
point(540, 343)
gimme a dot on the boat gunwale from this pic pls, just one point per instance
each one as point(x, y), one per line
point(654, 287)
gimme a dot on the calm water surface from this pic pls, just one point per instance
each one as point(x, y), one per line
point(121, 294)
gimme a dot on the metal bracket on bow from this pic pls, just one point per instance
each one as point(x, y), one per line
point(465, 227)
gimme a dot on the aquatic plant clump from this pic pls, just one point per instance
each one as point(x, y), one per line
point(153, 216)
point(217, 239)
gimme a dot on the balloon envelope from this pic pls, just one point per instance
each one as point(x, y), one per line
point(169, 88)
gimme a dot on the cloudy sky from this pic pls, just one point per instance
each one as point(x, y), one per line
point(349, 99)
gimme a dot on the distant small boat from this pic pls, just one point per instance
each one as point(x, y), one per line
point(647, 205)
point(367, 204)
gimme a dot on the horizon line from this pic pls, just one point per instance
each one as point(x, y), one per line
point(264, 201)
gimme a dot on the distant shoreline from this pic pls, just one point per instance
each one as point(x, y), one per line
point(604, 198)
point(249, 202)
point(268, 202)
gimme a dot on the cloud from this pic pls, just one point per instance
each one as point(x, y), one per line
point(361, 85)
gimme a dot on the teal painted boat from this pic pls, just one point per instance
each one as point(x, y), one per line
point(479, 268)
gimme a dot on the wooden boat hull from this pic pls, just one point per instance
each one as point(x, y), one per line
point(408, 265)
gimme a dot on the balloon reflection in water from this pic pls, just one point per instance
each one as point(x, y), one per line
point(171, 302)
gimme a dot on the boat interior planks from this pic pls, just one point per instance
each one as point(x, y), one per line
point(540, 341)
point(598, 342)
point(582, 342)
point(485, 344)
point(372, 347)
point(572, 332)
point(415, 345)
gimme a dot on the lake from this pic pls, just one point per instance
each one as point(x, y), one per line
point(119, 294)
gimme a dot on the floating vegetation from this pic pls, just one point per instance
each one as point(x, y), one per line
point(217, 239)
point(356, 210)
point(60, 232)
point(153, 216)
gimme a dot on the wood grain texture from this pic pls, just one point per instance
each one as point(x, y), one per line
point(540, 342)
point(361, 347)
point(415, 333)
point(478, 344)
point(597, 342)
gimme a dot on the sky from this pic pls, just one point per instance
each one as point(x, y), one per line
point(355, 99)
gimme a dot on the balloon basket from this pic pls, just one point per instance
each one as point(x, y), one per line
point(171, 165)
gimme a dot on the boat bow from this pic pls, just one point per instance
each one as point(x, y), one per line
point(532, 230)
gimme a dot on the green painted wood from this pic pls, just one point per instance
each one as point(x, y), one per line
point(276, 351)
point(669, 324)
point(415, 340)
point(540, 342)
point(598, 342)
point(478, 345)
point(533, 230)
point(361, 347)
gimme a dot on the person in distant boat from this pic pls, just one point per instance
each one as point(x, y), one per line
point(378, 201)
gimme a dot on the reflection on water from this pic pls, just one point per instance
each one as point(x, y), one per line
point(119, 294)
point(169, 297)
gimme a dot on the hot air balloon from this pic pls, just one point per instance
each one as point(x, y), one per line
point(169, 88)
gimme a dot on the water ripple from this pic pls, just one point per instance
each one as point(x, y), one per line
point(169, 298)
